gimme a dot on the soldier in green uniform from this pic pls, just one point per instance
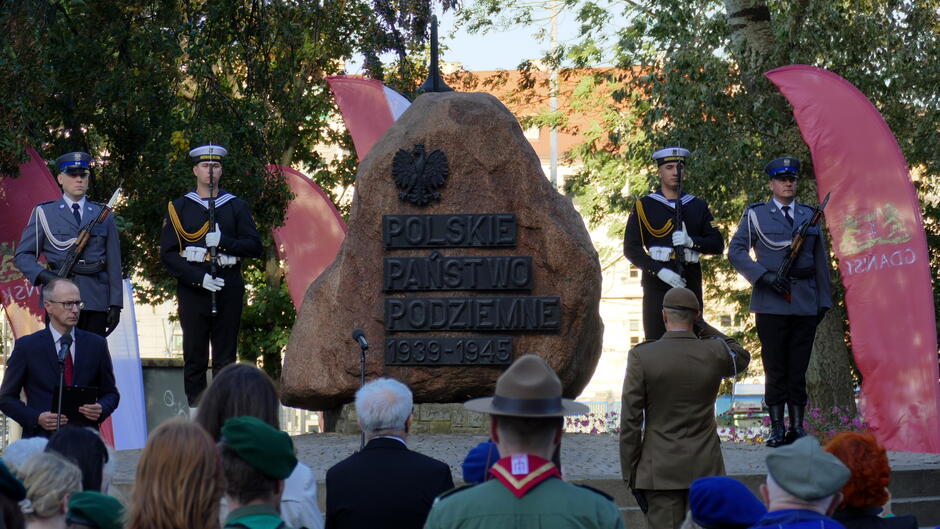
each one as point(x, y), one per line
point(256, 459)
point(526, 423)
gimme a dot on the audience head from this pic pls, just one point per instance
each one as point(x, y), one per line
point(94, 510)
point(20, 450)
point(384, 407)
point(868, 462)
point(527, 411)
point(12, 492)
point(680, 308)
point(478, 462)
point(802, 476)
point(179, 480)
point(84, 447)
point(49, 479)
point(720, 502)
point(238, 390)
point(256, 458)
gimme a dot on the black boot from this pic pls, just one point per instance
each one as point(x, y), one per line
point(796, 422)
point(778, 430)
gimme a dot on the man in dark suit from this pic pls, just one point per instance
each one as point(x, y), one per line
point(385, 484)
point(51, 232)
point(34, 367)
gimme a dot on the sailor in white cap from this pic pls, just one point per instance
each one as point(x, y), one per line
point(52, 231)
point(669, 254)
point(204, 283)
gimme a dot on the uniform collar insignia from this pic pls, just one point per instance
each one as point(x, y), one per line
point(521, 472)
point(658, 196)
point(224, 196)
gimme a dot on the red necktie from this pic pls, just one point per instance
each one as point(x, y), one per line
point(69, 368)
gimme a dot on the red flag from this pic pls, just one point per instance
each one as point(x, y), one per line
point(312, 233)
point(878, 235)
point(368, 107)
point(19, 196)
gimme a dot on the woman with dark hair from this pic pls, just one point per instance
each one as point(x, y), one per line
point(179, 480)
point(240, 390)
point(866, 502)
point(84, 447)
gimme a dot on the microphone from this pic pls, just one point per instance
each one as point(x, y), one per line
point(66, 342)
point(360, 337)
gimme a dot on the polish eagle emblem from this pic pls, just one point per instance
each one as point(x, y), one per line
point(418, 175)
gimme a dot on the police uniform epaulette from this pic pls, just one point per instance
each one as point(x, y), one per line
point(49, 202)
point(755, 204)
point(455, 490)
point(592, 489)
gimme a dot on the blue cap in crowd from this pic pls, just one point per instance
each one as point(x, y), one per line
point(478, 462)
point(719, 502)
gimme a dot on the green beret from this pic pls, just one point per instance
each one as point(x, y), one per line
point(10, 486)
point(679, 298)
point(96, 510)
point(268, 450)
point(806, 471)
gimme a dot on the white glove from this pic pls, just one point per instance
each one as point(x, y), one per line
point(212, 284)
point(195, 254)
point(670, 278)
point(226, 260)
point(681, 238)
point(213, 237)
point(691, 256)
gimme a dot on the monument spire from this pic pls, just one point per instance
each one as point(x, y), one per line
point(434, 83)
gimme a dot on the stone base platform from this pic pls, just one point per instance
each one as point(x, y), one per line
point(594, 460)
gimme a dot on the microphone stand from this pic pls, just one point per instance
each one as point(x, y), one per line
point(362, 382)
point(58, 416)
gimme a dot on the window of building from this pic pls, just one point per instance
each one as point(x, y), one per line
point(634, 325)
point(634, 271)
point(726, 320)
point(634, 340)
point(532, 133)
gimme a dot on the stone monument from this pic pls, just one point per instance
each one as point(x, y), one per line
point(460, 256)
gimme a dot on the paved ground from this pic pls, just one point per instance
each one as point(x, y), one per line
point(584, 456)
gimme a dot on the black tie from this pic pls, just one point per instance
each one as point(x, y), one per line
point(78, 216)
point(786, 213)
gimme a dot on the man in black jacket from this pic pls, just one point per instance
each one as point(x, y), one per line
point(385, 484)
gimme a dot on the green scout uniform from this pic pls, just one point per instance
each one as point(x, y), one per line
point(550, 503)
point(255, 517)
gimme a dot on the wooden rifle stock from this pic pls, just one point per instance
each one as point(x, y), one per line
point(84, 236)
point(797, 243)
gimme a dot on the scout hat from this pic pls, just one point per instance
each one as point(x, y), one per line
point(529, 388)
point(783, 167)
point(679, 298)
point(720, 502)
point(806, 471)
point(670, 154)
point(207, 153)
point(268, 450)
point(73, 162)
point(95, 509)
point(10, 486)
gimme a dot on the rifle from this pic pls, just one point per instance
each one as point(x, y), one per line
point(797, 243)
point(213, 250)
point(84, 236)
point(679, 250)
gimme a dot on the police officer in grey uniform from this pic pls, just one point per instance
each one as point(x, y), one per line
point(52, 230)
point(786, 328)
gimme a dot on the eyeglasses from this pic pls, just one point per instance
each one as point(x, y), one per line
point(69, 305)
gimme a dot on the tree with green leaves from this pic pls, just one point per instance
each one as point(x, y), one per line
point(138, 83)
point(691, 73)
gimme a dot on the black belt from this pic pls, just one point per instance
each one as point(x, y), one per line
point(86, 268)
point(803, 273)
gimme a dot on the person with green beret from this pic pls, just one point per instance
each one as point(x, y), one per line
point(12, 492)
point(94, 510)
point(256, 459)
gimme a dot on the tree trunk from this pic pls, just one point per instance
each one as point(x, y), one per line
point(829, 377)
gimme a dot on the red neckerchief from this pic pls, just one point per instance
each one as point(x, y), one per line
point(521, 472)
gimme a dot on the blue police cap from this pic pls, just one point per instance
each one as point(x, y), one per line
point(73, 161)
point(670, 154)
point(720, 502)
point(207, 153)
point(781, 167)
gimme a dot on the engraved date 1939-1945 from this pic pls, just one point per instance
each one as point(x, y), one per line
point(489, 350)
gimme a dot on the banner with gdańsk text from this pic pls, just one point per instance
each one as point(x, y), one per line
point(878, 236)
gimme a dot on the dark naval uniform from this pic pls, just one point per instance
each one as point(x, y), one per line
point(786, 328)
point(186, 225)
point(648, 245)
point(51, 232)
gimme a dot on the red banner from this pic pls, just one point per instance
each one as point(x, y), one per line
point(19, 196)
point(878, 236)
point(312, 233)
point(368, 107)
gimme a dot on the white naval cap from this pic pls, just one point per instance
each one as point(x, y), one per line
point(208, 153)
point(670, 154)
